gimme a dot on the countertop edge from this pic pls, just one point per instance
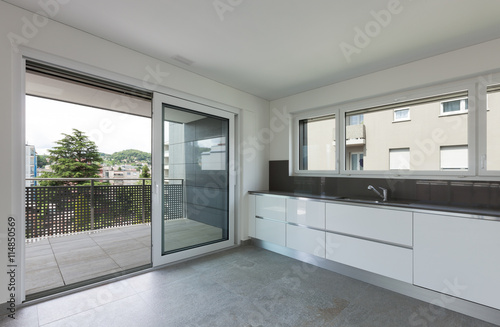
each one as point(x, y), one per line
point(474, 213)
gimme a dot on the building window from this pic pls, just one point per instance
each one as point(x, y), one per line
point(317, 143)
point(457, 106)
point(402, 114)
point(492, 159)
point(355, 120)
point(356, 161)
point(399, 159)
point(454, 157)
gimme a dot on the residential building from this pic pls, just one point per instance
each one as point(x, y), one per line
point(31, 167)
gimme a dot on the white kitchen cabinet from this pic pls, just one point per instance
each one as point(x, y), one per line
point(383, 259)
point(306, 240)
point(270, 207)
point(251, 215)
point(458, 256)
point(386, 225)
point(270, 231)
point(305, 212)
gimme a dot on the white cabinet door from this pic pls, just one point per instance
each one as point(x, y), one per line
point(251, 215)
point(270, 231)
point(304, 212)
point(391, 226)
point(458, 256)
point(387, 260)
point(306, 240)
point(270, 207)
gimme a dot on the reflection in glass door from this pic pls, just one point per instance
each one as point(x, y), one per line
point(195, 179)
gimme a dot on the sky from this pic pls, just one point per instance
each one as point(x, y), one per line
point(46, 120)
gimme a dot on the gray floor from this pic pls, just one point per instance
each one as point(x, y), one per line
point(246, 286)
point(180, 233)
point(68, 259)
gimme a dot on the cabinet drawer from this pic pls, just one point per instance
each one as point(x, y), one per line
point(306, 240)
point(308, 213)
point(387, 260)
point(270, 231)
point(391, 226)
point(271, 207)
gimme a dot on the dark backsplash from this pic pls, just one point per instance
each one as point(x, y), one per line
point(480, 194)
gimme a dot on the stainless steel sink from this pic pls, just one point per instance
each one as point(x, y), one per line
point(373, 201)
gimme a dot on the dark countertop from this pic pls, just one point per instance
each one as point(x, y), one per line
point(478, 213)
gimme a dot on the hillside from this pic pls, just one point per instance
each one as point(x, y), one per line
point(129, 156)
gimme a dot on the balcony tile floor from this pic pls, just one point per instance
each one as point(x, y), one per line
point(244, 286)
point(68, 259)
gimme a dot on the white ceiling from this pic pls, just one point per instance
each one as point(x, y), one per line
point(276, 48)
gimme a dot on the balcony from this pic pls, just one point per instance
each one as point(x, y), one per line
point(355, 135)
point(80, 233)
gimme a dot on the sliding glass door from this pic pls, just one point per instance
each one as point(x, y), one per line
point(193, 148)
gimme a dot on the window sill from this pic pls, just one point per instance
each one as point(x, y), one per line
point(453, 113)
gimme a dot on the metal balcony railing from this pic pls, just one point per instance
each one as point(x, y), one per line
point(68, 209)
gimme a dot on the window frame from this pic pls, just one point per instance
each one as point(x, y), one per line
point(340, 110)
point(296, 142)
point(462, 110)
point(397, 120)
point(358, 154)
point(400, 149)
point(483, 83)
point(448, 147)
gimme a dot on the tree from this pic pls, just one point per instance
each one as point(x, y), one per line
point(75, 157)
point(145, 172)
point(41, 160)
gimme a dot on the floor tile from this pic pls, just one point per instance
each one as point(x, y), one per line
point(137, 313)
point(245, 286)
point(72, 304)
point(80, 257)
point(24, 317)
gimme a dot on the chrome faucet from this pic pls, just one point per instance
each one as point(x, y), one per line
point(384, 192)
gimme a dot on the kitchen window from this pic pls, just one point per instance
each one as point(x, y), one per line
point(317, 144)
point(491, 160)
point(441, 137)
point(417, 141)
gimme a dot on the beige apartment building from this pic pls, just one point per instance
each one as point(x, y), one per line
point(430, 136)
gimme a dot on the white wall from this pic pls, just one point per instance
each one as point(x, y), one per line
point(70, 44)
point(450, 66)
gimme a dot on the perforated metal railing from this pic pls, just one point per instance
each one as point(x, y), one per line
point(67, 209)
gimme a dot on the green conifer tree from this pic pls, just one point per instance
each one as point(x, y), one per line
point(75, 157)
